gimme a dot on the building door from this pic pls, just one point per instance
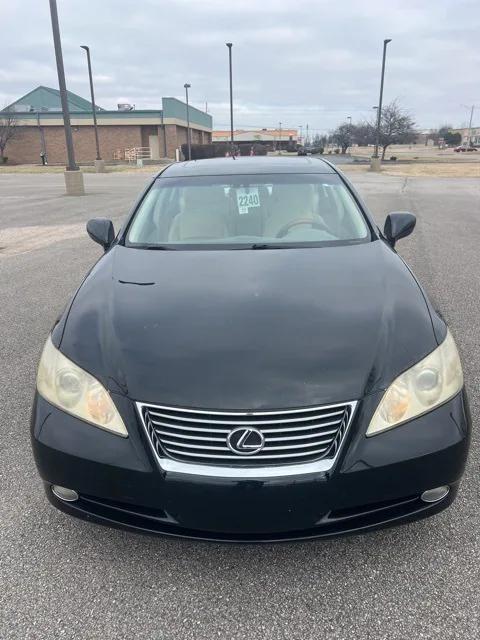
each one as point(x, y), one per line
point(154, 144)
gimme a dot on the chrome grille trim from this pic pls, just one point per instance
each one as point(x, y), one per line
point(181, 427)
point(240, 422)
point(281, 430)
point(233, 457)
point(184, 448)
point(244, 413)
point(308, 435)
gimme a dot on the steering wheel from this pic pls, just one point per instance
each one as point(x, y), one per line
point(283, 231)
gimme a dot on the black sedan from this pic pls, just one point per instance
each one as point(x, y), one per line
point(250, 359)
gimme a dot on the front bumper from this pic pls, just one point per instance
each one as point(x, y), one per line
point(375, 482)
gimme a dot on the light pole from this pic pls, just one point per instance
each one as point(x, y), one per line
point(189, 143)
point(472, 109)
point(379, 111)
point(230, 45)
point(349, 120)
point(73, 177)
point(98, 164)
point(300, 126)
point(280, 136)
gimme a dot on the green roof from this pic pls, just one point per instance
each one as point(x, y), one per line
point(173, 108)
point(48, 99)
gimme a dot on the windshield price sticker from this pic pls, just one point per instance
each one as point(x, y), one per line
point(247, 199)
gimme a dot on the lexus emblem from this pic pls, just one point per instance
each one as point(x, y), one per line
point(245, 441)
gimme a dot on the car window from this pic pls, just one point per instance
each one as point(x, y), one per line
point(241, 211)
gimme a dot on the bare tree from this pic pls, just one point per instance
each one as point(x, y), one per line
point(396, 127)
point(8, 131)
point(449, 137)
point(343, 136)
point(364, 133)
point(443, 129)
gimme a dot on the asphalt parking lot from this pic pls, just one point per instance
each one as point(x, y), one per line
point(63, 578)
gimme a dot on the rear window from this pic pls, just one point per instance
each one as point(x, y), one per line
point(258, 211)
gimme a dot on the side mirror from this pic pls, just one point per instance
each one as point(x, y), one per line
point(399, 225)
point(101, 230)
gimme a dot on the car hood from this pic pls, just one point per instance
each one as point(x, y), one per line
point(248, 329)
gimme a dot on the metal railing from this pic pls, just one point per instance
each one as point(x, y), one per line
point(133, 154)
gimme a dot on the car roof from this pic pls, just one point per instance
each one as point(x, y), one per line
point(244, 165)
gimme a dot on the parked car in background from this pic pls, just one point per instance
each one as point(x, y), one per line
point(461, 148)
point(309, 150)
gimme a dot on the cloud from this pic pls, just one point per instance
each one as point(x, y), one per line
point(302, 61)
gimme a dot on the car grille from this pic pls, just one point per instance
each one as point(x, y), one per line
point(289, 436)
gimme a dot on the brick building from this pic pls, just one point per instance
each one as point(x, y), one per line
point(40, 127)
point(272, 138)
point(469, 135)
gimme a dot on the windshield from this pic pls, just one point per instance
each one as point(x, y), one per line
point(241, 211)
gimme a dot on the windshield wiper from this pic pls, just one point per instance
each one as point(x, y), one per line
point(256, 245)
point(157, 247)
point(260, 245)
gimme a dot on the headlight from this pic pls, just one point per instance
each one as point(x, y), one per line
point(428, 384)
point(70, 388)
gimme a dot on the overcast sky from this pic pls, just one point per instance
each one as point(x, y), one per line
point(295, 61)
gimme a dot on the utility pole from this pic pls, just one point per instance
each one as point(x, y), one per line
point(99, 164)
point(470, 126)
point(73, 177)
point(375, 166)
point(300, 126)
point(189, 143)
point(230, 45)
point(280, 136)
point(307, 139)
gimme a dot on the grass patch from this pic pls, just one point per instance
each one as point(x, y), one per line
point(444, 170)
point(421, 170)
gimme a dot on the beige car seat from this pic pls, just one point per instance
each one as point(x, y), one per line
point(290, 202)
point(203, 216)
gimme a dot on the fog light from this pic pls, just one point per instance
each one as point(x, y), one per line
point(434, 495)
point(67, 495)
